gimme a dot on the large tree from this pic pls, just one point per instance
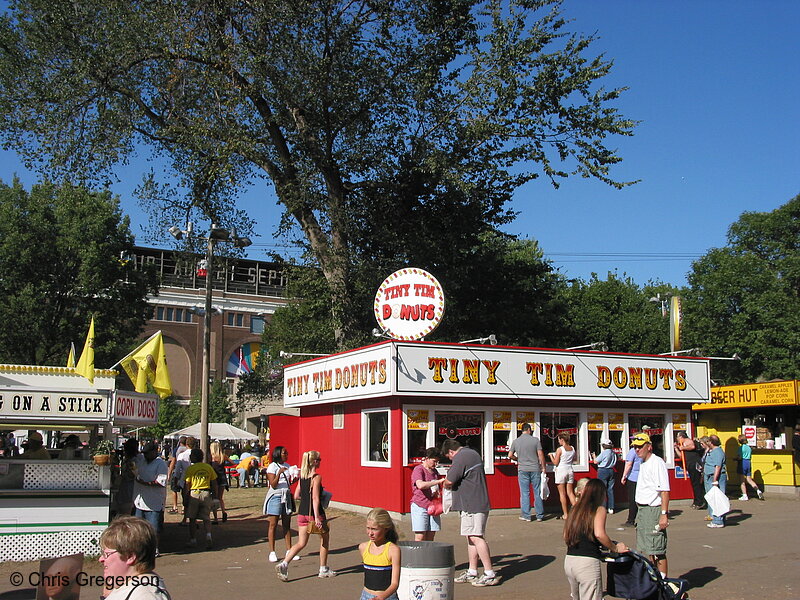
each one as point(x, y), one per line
point(63, 259)
point(327, 100)
point(745, 298)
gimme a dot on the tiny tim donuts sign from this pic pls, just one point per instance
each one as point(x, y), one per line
point(409, 304)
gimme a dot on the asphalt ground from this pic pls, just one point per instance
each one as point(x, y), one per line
point(756, 556)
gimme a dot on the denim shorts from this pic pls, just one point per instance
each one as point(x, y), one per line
point(274, 505)
point(422, 521)
point(365, 595)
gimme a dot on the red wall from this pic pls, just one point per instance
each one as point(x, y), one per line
point(390, 488)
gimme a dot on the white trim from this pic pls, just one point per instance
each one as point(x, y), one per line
point(365, 462)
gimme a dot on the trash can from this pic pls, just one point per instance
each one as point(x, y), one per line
point(427, 571)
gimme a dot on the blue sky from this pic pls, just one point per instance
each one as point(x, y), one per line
point(716, 86)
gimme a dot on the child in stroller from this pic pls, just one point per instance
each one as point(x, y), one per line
point(633, 577)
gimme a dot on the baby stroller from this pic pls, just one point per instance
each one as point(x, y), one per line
point(633, 577)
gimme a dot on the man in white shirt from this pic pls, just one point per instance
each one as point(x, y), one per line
point(652, 498)
point(149, 486)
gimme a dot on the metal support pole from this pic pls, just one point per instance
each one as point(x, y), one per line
point(204, 389)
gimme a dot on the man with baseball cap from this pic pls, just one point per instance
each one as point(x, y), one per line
point(652, 499)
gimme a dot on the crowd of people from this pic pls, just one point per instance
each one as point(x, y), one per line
point(147, 480)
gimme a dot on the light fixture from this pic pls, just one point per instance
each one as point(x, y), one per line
point(689, 352)
point(492, 339)
point(734, 357)
point(293, 354)
point(381, 333)
point(600, 346)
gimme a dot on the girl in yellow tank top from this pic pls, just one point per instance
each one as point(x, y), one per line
point(381, 557)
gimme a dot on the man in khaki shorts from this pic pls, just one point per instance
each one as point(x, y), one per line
point(470, 496)
point(652, 498)
point(201, 480)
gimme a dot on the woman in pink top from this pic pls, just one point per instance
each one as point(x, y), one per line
point(424, 478)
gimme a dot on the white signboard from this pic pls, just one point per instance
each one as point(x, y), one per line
point(362, 373)
point(434, 369)
point(134, 408)
point(427, 369)
point(409, 304)
point(27, 404)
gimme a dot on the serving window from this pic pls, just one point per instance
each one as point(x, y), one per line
point(600, 425)
point(501, 435)
point(553, 423)
point(464, 426)
point(652, 425)
point(417, 423)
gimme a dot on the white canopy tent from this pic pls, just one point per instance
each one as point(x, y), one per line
point(216, 431)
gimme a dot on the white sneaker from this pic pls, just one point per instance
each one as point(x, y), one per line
point(326, 572)
point(760, 494)
point(744, 498)
point(485, 580)
point(282, 570)
point(273, 557)
point(466, 577)
point(610, 511)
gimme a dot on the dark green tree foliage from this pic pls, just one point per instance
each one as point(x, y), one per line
point(219, 410)
point(327, 100)
point(60, 263)
point(745, 298)
point(171, 417)
point(618, 312)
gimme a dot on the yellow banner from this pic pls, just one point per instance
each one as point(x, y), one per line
point(502, 420)
point(525, 417)
point(616, 421)
point(417, 419)
point(775, 393)
point(595, 421)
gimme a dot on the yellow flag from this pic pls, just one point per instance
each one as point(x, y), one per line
point(85, 364)
point(71, 357)
point(148, 363)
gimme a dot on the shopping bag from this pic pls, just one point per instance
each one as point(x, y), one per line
point(435, 508)
point(718, 501)
point(447, 500)
point(544, 487)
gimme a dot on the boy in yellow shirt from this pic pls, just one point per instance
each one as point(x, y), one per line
point(200, 480)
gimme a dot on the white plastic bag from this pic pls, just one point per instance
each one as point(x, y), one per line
point(447, 500)
point(544, 487)
point(718, 501)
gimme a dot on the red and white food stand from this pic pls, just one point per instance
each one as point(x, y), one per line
point(371, 412)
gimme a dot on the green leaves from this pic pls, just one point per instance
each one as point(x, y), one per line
point(62, 252)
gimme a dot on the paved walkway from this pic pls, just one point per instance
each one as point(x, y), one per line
point(757, 555)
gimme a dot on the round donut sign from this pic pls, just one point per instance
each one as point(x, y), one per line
point(409, 304)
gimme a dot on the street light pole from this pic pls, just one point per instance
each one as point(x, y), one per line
point(204, 390)
point(215, 234)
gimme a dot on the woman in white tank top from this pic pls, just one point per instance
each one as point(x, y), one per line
point(565, 477)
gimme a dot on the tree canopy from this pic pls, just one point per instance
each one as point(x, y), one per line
point(745, 298)
point(336, 104)
point(62, 260)
point(618, 312)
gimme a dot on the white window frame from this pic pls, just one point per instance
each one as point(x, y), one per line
point(365, 461)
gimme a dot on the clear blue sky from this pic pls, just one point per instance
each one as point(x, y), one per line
point(716, 86)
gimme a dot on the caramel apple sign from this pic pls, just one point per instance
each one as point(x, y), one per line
point(409, 304)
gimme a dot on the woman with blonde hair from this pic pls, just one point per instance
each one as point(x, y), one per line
point(565, 477)
point(220, 464)
point(310, 513)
